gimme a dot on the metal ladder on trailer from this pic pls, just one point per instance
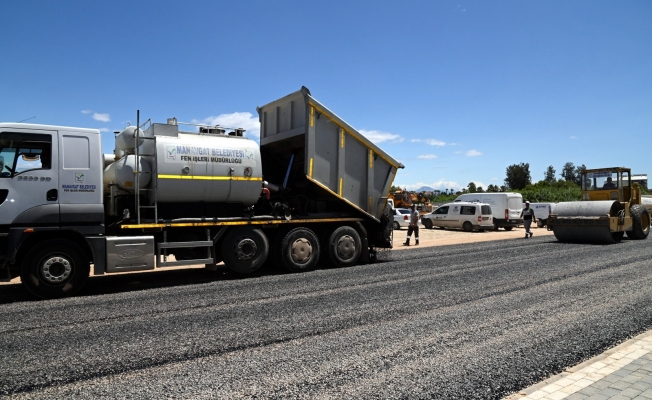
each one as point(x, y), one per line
point(153, 180)
point(162, 248)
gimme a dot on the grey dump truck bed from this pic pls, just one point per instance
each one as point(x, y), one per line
point(302, 140)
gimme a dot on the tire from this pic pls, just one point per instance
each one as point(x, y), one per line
point(509, 228)
point(640, 222)
point(57, 268)
point(467, 226)
point(427, 223)
point(344, 246)
point(396, 225)
point(299, 250)
point(245, 250)
point(540, 224)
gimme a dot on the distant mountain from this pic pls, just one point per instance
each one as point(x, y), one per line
point(424, 189)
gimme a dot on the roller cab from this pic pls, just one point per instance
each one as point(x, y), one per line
point(611, 206)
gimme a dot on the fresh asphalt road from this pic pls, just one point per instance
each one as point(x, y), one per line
point(468, 321)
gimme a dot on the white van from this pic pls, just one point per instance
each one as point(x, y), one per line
point(506, 207)
point(468, 216)
point(541, 212)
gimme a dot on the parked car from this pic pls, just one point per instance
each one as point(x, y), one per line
point(401, 218)
point(505, 206)
point(464, 215)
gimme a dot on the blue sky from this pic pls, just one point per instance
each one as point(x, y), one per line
point(455, 90)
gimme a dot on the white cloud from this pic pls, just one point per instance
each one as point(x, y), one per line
point(380, 136)
point(427, 156)
point(473, 153)
point(494, 179)
point(244, 120)
point(432, 142)
point(101, 117)
point(573, 137)
point(86, 111)
point(105, 130)
point(458, 152)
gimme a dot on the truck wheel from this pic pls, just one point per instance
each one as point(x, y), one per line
point(245, 250)
point(427, 223)
point(467, 226)
point(539, 224)
point(299, 250)
point(396, 225)
point(640, 222)
point(57, 268)
point(509, 228)
point(344, 246)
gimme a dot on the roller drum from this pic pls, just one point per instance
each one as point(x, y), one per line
point(588, 208)
point(586, 221)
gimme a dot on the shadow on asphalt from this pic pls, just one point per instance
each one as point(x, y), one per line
point(109, 284)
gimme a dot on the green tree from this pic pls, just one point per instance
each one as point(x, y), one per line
point(472, 188)
point(518, 176)
point(549, 175)
point(479, 190)
point(568, 172)
point(578, 174)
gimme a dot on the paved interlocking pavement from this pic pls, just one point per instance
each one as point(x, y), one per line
point(622, 373)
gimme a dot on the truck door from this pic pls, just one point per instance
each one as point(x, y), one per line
point(29, 177)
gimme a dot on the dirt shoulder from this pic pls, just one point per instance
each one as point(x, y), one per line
point(443, 237)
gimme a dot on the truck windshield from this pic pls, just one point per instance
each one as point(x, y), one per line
point(600, 180)
point(18, 156)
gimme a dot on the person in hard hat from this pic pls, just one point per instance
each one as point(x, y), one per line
point(413, 226)
point(528, 216)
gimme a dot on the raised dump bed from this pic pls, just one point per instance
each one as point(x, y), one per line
point(309, 149)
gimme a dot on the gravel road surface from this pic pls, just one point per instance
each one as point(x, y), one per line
point(469, 321)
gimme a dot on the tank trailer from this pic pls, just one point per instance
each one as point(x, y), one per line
point(314, 190)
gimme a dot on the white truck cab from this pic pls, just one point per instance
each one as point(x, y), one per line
point(50, 175)
point(50, 191)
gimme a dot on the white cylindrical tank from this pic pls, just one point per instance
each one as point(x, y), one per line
point(126, 140)
point(202, 168)
point(121, 173)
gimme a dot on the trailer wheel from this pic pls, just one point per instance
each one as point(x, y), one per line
point(467, 226)
point(509, 228)
point(344, 246)
point(396, 225)
point(640, 222)
point(427, 223)
point(57, 268)
point(299, 250)
point(245, 250)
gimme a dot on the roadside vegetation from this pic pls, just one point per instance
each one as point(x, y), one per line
point(518, 179)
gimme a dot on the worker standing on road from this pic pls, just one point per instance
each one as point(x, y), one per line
point(528, 216)
point(413, 226)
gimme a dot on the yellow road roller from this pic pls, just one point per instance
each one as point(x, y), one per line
point(611, 206)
